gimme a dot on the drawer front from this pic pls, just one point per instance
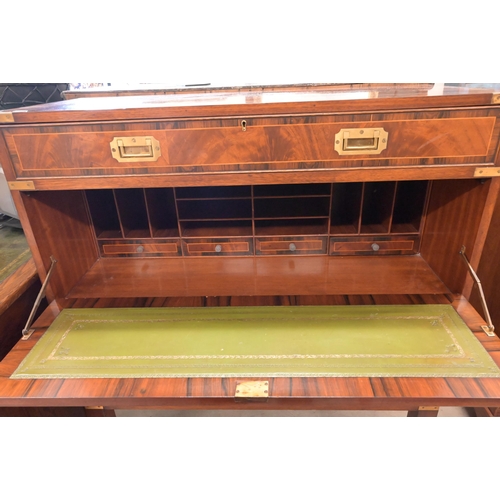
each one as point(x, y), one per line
point(267, 143)
point(395, 245)
point(217, 247)
point(291, 246)
point(140, 248)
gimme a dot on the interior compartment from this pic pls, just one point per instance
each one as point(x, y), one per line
point(162, 212)
point(206, 192)
point(291, 227)
point(273, 208)
point(214, 228)
point(378, 202)
point(346, 208)
point(217, 209)
point(133, 213)
point(104, 214)
point(409, 206)
point(287, 190)
point(452, 210)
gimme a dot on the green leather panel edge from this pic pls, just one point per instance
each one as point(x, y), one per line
point(299, 341)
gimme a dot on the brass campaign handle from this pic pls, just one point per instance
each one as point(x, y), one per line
point(357, 141)
point(142, 148)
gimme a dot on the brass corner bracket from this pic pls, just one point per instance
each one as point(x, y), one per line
point(495, 99)
point(22, 186)
point(6, 117)
point(487, 172)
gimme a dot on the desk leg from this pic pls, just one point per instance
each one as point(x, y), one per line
point(98, 411)
point(487, 412)
point(424, 411)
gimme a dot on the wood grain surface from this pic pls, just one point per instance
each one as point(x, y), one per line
point(248, 103)
point(261, 275)
point(276, 144)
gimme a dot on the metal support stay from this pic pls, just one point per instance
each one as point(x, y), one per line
point(489, 329)
point(28, 331)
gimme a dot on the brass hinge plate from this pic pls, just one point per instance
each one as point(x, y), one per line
point(495, 99)
point(252, 389)
point(94, 407)
point(27, 334)
point(6, 117)
point(428, 408)
point(22, 186)
point(487, 172)
point(489, 331)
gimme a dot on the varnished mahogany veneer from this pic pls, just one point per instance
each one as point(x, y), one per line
point(14, 317)
point(270, 275)
point(266, 144)
point(453, 219)
point(249, 104)
point(489, 269)
point(169, 247)
point(12, 287)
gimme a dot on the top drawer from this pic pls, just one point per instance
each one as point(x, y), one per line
point(246, 144)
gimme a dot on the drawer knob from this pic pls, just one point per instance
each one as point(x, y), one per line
point(375, 247)
point(218, 248)
point(139, 249)
point(292, 247)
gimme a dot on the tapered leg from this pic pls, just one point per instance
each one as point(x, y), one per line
point(424, 411)
point(99, 411)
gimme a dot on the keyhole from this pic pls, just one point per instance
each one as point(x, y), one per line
point(244, 125)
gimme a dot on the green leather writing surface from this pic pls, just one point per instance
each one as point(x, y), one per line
point(305, 341)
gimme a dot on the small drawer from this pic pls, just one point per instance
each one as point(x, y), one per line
point(219, 246)
point(140, 248)
point(404, 245)
point(290, 246)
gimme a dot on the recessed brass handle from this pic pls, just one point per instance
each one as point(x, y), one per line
point(361, 141)
point(126, 149)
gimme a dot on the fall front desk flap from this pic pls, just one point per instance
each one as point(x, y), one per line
point(304, 341)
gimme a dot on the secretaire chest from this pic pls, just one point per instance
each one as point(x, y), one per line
point(345, 214)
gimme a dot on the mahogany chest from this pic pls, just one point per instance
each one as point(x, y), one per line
point(298, 197)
